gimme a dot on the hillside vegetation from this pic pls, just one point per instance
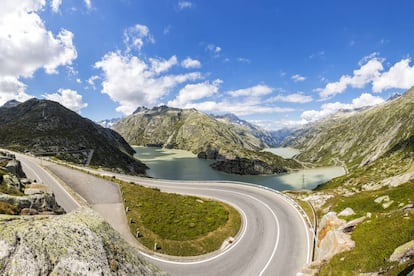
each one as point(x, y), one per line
point(358, 139)
point(366, 218)
point(235, 147)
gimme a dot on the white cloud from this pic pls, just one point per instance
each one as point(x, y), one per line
point(135, 36)
point(190, 63)
point(55, 5)
point(400, 75)
point(26, 45)
point(364, 100)
point(278, 124)
point(254, 91)
point(68, 98)
point(91, 81)
point(88, 4)
point(367, 73)
point(292, 98)
point(193, 92)
point(12, 89)
point(161, 65)
point(184, 5)
point(132, 82)
point(247, 107)
point(298, 78)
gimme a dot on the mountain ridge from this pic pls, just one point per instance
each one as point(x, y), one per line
point(202, 134)
point(43, 126)
point(358, 139)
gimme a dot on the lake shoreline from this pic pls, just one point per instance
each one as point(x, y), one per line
point(173, 164)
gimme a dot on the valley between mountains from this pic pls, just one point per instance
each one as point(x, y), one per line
point(363, 221)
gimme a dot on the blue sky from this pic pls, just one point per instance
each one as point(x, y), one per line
point(274, 63)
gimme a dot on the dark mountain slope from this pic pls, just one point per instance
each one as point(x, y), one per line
point(42, 126)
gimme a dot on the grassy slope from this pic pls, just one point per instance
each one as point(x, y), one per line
point(358, 139)
point(377, 237)
point(383, 136)
point(180, 225)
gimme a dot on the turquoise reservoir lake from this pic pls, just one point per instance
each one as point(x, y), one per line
point(183, 165)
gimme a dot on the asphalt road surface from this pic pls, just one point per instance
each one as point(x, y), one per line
point(274, 239)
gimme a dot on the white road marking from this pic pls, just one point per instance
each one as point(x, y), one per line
point(241, 237)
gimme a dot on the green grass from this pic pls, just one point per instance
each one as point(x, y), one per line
point(180, 225)
point(375, 241)
point(377, 237)
point(364, 202)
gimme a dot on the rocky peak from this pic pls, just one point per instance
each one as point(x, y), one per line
point(11, 103)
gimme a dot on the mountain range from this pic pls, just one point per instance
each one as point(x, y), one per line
point(233, 143)
point(46, 127)
point(360, 137)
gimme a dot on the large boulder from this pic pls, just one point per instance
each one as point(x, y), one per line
point(403, 253)
point(41, 202)
point(79, 243)
point(332, 238)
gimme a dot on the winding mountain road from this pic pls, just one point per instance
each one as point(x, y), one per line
point(274, 239)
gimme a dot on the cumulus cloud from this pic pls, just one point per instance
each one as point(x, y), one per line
point(278, 124)
point(298, 78)
point(254, 91)
point(135, 36)
point(184, 5)
point(367, 73)
point(68, 98)
point(249, 100)
point(26, 45)
point(55, 5)
point(193, 92)
point(292, 98)
point(11, 88)
point(364, 100)
point(159, 65)
point(133, 82)
point(190, 63)
point(400, 75)
point(371, 71)
point(247, 107)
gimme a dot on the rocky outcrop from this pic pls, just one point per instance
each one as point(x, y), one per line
point(244, 166)
point(80, 243)
point(403, 253)
point(15, 167)
point(331, 237)
point(33, 204)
